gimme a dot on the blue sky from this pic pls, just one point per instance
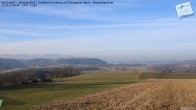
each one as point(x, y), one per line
point(128, 30)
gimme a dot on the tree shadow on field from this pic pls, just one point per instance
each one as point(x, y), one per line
point(10, 102)
point(65, 86)
point(20, 87)
point(86, 85)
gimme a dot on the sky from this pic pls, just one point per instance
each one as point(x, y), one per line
point(127, 30)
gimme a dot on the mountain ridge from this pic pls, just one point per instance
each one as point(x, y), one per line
point(6, 63)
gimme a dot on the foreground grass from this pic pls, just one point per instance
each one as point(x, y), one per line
point(73, 87)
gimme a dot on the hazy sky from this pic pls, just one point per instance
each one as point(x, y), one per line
point(127, 30)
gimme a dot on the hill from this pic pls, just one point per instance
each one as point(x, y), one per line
point(42, 62)
point(10, 64)
point(83, 61)
point(64, 61)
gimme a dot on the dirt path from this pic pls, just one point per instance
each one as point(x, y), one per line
point(149, 95)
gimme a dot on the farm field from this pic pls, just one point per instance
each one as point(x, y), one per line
point(106, 90)
point(16, 98)
point(166, 76)
point(148, 95)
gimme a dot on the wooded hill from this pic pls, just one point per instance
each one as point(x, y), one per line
point(41, 62)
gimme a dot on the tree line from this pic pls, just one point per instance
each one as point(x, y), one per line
point(174, 68)
point(36, 75)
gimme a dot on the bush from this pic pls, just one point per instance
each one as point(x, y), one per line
point(34, 81)
point(47, 80)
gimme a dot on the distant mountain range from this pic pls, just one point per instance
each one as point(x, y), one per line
point(43, 62)
point(29, 56)
point(155, 62)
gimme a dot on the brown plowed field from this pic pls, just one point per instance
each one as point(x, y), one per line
point(148, 95)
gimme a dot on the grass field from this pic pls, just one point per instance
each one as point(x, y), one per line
point(73, 87)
